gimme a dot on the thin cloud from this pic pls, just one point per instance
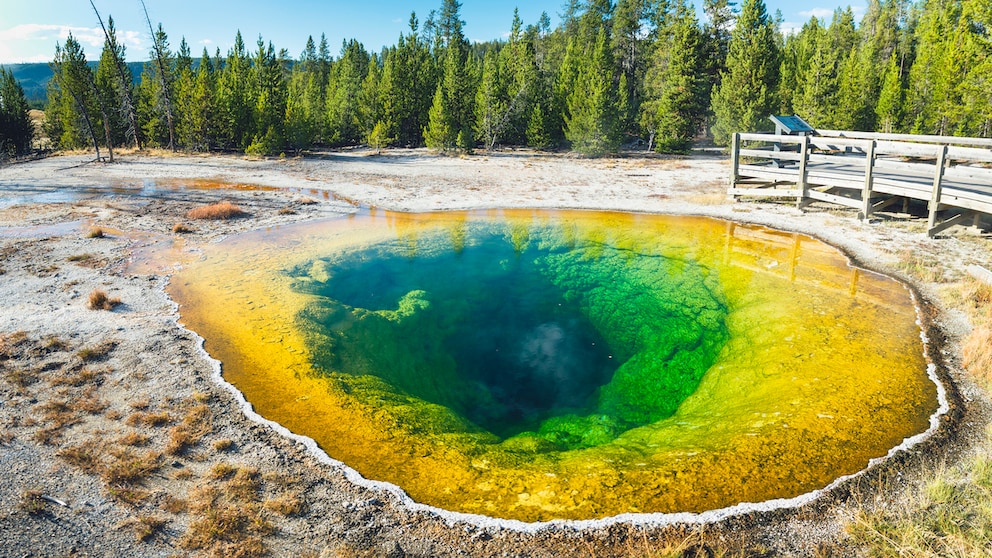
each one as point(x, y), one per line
point(818, 13)
point(28, 35)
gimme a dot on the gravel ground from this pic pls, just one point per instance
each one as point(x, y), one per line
point(115, 438)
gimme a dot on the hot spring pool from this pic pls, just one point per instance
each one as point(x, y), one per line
point(539, 365)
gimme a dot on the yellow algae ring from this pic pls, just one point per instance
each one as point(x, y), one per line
point(537, 366)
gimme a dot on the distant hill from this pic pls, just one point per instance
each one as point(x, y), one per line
point(34, 78)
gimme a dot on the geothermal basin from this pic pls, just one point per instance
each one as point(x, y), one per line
point(545, 365)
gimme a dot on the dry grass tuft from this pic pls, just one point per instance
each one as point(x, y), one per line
point(127, 471)
point(223, 528)
point(95, 232)
point(222, 471)
point(57, 415)
point(133, 439)
point(20, 377)
point(287, 211)
point(950, 515)
point(97, 352)
point(223, 444)
point(146, 526)
point(10, 342)
point(180, 228)
point(920, 266)
point(90, 402)
point(78, 378)
point(32, 502)
point(216, 212)
point(142, 418)
point(174, 505)
point(86, 455)
point(245, 486)
point(195, 425)
point(286, 504)
point(100, 301)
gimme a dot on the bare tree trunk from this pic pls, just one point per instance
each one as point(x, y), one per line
point(161, 74)
point(86, 118)
point(127, 101)
point(106, 132)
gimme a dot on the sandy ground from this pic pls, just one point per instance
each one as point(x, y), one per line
point(112, 428)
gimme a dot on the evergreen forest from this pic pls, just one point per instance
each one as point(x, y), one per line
point(611, 74)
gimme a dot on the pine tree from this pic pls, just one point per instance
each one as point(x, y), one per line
point(123, 89)
point(677, 94)
point(816, 76)
point(439, 135)
point(451, 119)
point(592, 124)
point(162, 66)
point(184, 88)
point(269, 109)
point(746, 95)
point(407, 87)
point(71, 95)
point(235, 98)
point(343, 92)
point(975, 90)
point(492, 107)
point(719, 22)
point(203, 106)
point(16, 129)
point(888, 110)
point(934, 75)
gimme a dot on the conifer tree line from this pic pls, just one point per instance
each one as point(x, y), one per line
point(610, 74)
point(16, 130)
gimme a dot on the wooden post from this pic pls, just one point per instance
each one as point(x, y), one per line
point(735, 158)
point(803, 182)
point(869, 181)
point(938, 183)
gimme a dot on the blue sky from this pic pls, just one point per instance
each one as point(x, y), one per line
point(29, 29)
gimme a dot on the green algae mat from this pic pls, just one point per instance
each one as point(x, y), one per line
point(536, 365)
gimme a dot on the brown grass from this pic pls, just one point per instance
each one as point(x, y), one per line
point(181, 228)
point(57, 415)
point(133, 439)
point(95, 232)
point(100, 301)
point(174, 505)
point(223, 444)
point(9, 342)
point(223, 527)
point(90, 402)
point(142, 418)
point(78, 378)
point(96, 352)
point(20, 377)
point(86, 455)
point(146, 526)
point(32, 502)
point(216, 212)
point(286, 504)
point(195, 425)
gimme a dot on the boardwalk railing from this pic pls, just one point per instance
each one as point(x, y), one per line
point(869, 172)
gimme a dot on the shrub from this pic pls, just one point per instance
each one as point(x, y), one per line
point(100, 301)
point(217, 212)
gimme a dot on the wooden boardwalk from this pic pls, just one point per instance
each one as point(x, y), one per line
point(869, 172)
